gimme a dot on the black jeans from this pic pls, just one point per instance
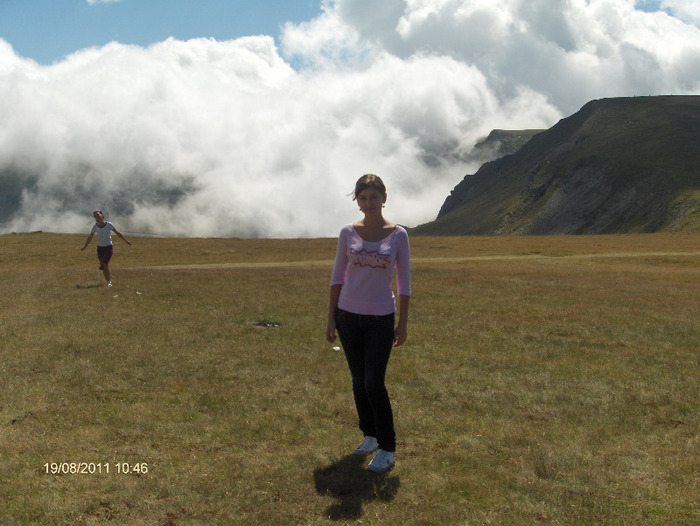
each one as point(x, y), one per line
point(367, 341)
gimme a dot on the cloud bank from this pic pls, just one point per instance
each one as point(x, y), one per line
point(248, 138)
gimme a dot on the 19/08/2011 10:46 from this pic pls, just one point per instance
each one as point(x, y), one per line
point(95, 468)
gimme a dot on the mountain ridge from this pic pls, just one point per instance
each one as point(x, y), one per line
point(618, 165)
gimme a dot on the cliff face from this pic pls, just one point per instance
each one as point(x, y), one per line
point(617, 166)
point(500, 143)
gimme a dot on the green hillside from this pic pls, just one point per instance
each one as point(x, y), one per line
point(618, 165)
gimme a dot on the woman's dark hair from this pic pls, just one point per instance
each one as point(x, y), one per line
point(367, 181)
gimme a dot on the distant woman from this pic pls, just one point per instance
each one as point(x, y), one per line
point(362, 309)
point(104, 230)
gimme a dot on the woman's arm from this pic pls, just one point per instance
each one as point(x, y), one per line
point(332, 304)
point(121, 236)
point(403, 287)
point(337, 281)
point(88, 241)
point(401, 330)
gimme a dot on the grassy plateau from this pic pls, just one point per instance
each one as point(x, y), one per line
point(546, 380)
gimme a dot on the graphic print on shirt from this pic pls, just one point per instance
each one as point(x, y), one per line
point(371, 258)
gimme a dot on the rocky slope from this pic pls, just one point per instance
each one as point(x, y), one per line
point(618, 165)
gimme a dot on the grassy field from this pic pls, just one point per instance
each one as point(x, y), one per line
point(546, 380)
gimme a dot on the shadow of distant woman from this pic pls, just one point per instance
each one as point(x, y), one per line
point(352, 485)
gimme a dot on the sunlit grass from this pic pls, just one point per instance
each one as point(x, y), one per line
point(545, 380)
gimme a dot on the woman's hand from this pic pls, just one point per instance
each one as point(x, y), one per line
point(400, 335)
point(330, 331)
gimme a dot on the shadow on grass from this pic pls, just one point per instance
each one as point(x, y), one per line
point(98, 286)
point(349, 481)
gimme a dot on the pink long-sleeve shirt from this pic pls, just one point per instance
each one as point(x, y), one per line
point(365, 271)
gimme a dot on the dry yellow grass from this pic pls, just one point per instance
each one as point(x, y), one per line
point(545, 380)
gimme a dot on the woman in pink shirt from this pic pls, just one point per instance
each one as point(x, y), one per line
point(362, 309)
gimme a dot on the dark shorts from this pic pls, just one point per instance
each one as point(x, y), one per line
point(104, 254)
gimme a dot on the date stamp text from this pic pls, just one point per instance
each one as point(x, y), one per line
point(96, 468)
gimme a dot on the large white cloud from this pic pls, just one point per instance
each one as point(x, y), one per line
point(241, 138)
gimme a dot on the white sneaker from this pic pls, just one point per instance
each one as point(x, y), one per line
point(368, 445)
point(382, 461)
point(108, 284)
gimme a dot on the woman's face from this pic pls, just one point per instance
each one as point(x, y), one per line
point(371, 200)
point(98, 217)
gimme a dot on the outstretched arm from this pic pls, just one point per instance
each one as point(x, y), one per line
point(88, 241)
point(121, 236)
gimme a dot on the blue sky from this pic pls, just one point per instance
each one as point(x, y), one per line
point(47, 30)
